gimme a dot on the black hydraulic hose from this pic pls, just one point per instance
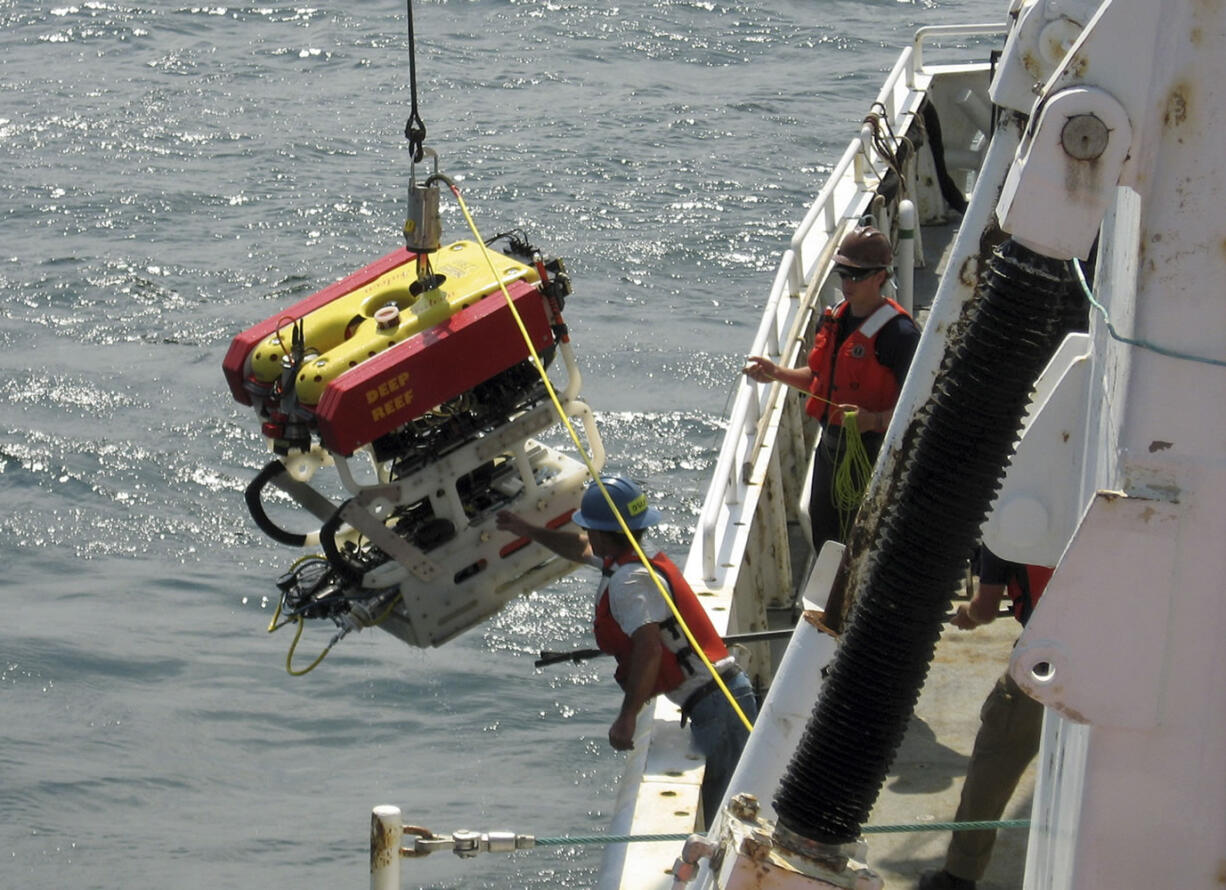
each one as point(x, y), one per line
point(949, 190)
point(255, 506)
point(327, 542)
point(960, 444)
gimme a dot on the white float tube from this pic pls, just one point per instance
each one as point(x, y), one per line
point(904, 258)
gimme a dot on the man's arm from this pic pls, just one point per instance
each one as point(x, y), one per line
point(569, 545)
point(641, 673)
point(763, 370)
point(982, 609)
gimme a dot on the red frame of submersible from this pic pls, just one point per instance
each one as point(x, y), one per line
point(421, 372)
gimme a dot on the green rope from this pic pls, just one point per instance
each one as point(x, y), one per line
point(852, 472)
point(989, 825)
point(1143, 344)
point(608, 839)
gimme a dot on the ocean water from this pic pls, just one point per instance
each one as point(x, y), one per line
point(173, 174)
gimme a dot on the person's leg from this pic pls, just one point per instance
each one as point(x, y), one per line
point(827, 522)
point(720, 735)
point(823, 515)
point(1008, 739)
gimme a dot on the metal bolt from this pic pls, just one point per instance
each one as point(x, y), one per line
point(744, 806)
point(466, 843)
point(1084, 137)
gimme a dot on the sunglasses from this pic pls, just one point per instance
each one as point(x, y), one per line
point(850, 273)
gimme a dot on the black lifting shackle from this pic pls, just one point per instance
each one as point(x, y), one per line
point(414, 128)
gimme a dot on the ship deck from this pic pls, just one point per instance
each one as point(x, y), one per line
point(925, 780)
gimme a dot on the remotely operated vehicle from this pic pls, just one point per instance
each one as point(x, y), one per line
point(419, 382)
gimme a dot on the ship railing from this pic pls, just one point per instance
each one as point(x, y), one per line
point(932, 32)
point(794, 295)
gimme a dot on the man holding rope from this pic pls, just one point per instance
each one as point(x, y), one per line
point(860, 357)
point(635, 624)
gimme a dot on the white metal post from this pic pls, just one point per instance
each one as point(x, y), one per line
point(386, 833)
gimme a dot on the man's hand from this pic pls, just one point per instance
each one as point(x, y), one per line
point(982, 609)
point(760, 369)
point(621, 733)
point(507, 521)
point(569, 545)
point(639, 685)
point(962, 619)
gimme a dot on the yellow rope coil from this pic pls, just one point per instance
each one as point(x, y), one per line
point(852, 471)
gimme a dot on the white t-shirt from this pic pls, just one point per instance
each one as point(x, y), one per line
point(634, 600)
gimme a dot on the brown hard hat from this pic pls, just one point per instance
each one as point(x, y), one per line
point(865, 248)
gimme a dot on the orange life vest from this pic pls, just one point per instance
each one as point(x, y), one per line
point(1025, 585)
point(678, 661)
point(851, 375)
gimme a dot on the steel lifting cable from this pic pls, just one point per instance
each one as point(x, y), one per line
point(414, 128)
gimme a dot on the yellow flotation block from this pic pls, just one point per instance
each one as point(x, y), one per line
point(345, 332)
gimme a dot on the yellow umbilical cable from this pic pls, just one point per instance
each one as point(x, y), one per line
point(574, 435)
point(272, 625)
point(289, 656)
point(386, 611)
point(297, 619)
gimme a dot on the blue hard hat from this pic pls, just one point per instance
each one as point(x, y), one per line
point(628, 498)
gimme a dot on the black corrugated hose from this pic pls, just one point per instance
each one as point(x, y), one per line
point(962, 440)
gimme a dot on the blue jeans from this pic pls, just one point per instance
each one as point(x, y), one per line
point(720, 735)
